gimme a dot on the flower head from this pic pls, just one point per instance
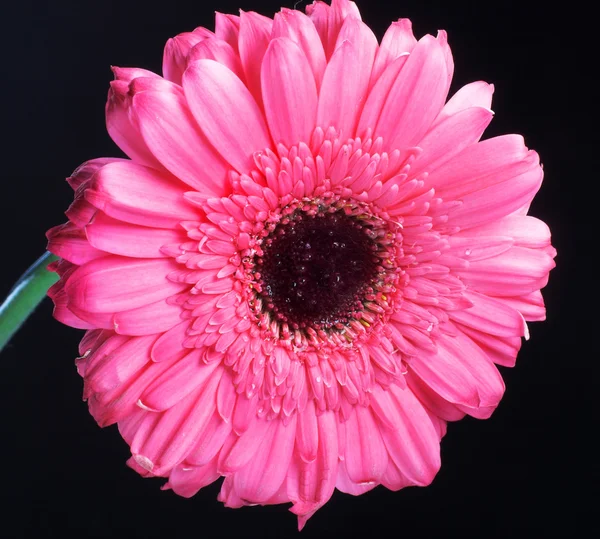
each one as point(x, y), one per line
point(308, 264)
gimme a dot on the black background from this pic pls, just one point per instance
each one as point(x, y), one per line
point(530, 470)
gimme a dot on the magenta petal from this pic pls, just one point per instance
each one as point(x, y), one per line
point(187, 481)
point(475, 94)
point(70, 243)
point(328, 20)
point(227, 28)
point(289, 92)
point(112, 284)
point(213, 92)
point(171, 133)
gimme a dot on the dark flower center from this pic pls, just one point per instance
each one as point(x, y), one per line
point(324, 265)
point(316, 269)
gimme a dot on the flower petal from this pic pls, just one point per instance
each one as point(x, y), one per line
point(169, 130)
point(119, 238)
point(226, 112)
point(296, 26)
point(346, 80)
point(416, 97)
point(139, 195)
point(112, 284)
point(289, 93)
point(397, 40)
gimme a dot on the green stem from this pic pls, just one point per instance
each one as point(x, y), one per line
point(25, 296)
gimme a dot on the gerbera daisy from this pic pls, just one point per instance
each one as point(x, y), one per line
point(308, 264)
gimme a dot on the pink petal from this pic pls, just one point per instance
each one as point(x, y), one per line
point(531, 305)
point(462, 374)
point(254, 37)
point(365, 454)
point(397, 40)
point(377, 96)
point(261, 478)
point(416, 97)
point(139, 195)
point(169, 130)
point(227, 28)
point(122, 128)
point(526, 231)
point(515, 272)
point(328, 20)
point(176, 51)
point(188, 481)
point(345, 484)
point(70, 243)
point(112, 284)
point(115, 365)
point(64, 315)
point(501, 350)
point(149, 319)
point(490, 316)
point(289, 93)
point(246, 446)
point(226, 112)
point(119, 238)
point(307, 433)
point(296, 26)
point(414, 445)
point(449, 137)
point(345, 81)
point(311, 484)
point(84, 172)
point(475, 94)
point(218, 50)
point(185, 376)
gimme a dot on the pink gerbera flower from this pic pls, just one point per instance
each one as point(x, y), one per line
point(308, 265)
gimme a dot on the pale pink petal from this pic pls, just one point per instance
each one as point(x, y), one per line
point(226, 112)
point(416, 97)
point(253, 40)
point(289, 93)
point(344, 87)
point(139, 195)
point(397, 40)
point(112, 284)
point(169, 130)
point(176, 51)
point(296, 26)
point(119, 238)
